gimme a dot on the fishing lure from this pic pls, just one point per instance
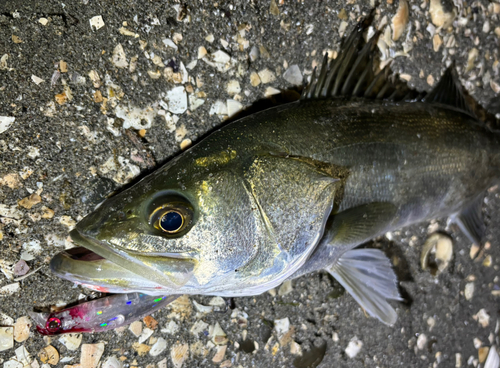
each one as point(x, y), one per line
point(101, 314)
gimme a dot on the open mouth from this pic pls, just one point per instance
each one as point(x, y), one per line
point(103, 268)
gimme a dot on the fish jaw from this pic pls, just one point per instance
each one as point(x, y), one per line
point(97, 265)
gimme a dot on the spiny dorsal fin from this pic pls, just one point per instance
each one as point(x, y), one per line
point(449, 91)
point(354, 73)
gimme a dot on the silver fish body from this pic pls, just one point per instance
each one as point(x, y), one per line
point(291, 190)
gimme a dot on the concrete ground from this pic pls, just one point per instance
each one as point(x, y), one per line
point(68, 84)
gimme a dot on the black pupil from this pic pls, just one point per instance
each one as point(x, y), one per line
point(171, 221)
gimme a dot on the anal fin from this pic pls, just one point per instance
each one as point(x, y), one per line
point(470, 220)
point(368, 276)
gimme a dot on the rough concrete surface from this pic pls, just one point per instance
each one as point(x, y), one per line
point(67, 149)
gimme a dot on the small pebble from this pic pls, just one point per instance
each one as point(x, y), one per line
point(469, 290)
point(21, 268)
point(421, 341)
point(141, 349)
point(439, 16)
point(482, 317)
point(150, 322)
point(482, 353)
point(354, 347)
point(285, 288)
point(22, 329)
point(49, 355)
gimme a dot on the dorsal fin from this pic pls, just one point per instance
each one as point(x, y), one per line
point(354, 73)
point(449, 91)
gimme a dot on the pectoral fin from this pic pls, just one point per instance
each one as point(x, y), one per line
point(470, 221)
point(359, 224)
point(365, 273)
point(368, 276)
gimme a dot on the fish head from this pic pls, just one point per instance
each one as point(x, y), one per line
point(179, 229)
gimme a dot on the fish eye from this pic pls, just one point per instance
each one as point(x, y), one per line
point(53, 324)
point(171, 221)
point(173, 217)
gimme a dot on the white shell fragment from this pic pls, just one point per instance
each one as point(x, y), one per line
point(436, 253)
point(171, 328)
point(233, 107)
point(6, 122)
point(36, 80)
point(400, 20)
point(493, 360)
point(202, 308)
point(482, 317)
point(199, 327)
point(158, 348)
point(220, 351)
point(195, 102)
point(91, 354)
point(23, 356)
point(119, 59)
point(293, 75)
point(169, 43)
point(282, 326)
point(179, 354)
point(271, 91)
point(9, 289)
point(96, 22)
point(354, 347)
point(71, 341)
point(135, 117)
point(233, 87)
point(112, 362)
point(266, 76)
point(219, 107)
point(177, 100)
point(217, 334)
point(6, 338)
point(217, 301)
point(146, 334)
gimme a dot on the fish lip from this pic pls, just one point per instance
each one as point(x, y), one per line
point(137, 263)
point(92, 244)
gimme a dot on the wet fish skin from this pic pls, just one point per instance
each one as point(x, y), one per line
point(427, 160)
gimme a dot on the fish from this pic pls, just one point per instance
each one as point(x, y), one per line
point(297, 188)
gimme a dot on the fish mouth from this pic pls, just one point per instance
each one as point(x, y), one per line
point(101, 267)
